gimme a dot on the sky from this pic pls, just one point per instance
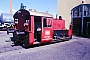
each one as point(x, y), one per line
point(38, 5)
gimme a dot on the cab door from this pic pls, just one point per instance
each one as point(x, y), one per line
point(46, 30)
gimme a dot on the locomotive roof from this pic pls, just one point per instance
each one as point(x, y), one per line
point(31, 12)
point(37, 13)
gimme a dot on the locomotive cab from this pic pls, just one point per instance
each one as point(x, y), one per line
point(31, 27)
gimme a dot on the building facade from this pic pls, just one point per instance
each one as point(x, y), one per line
point(64, 9)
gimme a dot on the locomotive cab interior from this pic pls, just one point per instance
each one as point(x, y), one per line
point(37, 28)
point(47, 23)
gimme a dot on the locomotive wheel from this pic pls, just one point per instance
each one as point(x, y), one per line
point(16, 43)
point(25, 45)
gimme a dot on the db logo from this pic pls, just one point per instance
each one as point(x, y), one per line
point(47, 32)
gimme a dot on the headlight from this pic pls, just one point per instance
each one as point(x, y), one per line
point(26, 24)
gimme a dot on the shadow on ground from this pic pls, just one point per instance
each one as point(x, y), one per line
point(38, 45)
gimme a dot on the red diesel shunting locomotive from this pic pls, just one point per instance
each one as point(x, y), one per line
point(32, 26)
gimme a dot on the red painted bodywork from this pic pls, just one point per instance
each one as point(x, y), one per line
point(47, 35)
point(31, 29)
point(19, 25)
point(46, 32)
point(58, 24)
point(70, 31)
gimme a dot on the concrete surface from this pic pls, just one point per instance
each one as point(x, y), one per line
point(4, 37)
point(76, 49)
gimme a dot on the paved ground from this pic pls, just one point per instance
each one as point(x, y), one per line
point(4, 37)
point(75, 49)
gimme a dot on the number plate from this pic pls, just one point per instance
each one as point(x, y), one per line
point(20, 32)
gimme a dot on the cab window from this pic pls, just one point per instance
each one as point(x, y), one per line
point(47, 22)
